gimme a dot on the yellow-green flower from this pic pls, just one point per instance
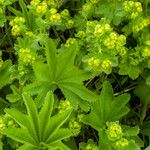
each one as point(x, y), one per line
point(41, 8)
point(114, 131)
point(81, 34)
point(73, 124)
point(63, 105)
point(69, 23)
point(65, 14)
point(121, 143)
point(70, 42)
point(146, 52)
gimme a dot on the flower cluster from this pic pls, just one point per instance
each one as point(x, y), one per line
point(53, 3)
point(133, 8)
point(146, 50)
point(54, 17)
point(81, 35)
point(91, 146)
point(76, 122)
point(50, 3)
point(140, 24)
point(74, 125)
point(62, 18)
point(94, 63)
point(6, 121)
point(121, 143)
point(106, 66)
point(115, 135)
point(105, 36)
point(100, 66)
point(34, 3)
point(87, 9)
point(41, 8)
point(18, 26)
point(66, 19)
point(100, 29)
point(26, 59)
point(113, 40)
point(104, 45)
point(114, 131)
point(63, 105)
point(70, 42)
point(26, 56)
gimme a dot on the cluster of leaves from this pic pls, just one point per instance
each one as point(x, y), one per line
point(65, 70)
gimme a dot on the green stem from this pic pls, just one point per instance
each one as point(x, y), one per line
point(143, 113)
point(5, 102)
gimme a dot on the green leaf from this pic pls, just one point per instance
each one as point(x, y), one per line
point(27, 15)
point(127, 68)
point(130, 131)
point(148, 148)
point(5, 73)
point(142, 90)
point(79, 90)
point(107, 108)
point(118, 107)
point(33, 115)
point(19, 117)
point(39, 68)
point(145, 128)
point(59, 145)
point(74, 98)
point(16, 95)
point(38, 129)
point(51, 58)
point(132, 146)
point(14, 11)
point(45, 112)
point(59, 135)
point(55, 123)
point(20, 135)
point(104, 143)
point(138, 141)
point(26, 147)
point(58, 73)
point(63, 58)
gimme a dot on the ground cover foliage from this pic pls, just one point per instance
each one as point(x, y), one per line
point(74, 75)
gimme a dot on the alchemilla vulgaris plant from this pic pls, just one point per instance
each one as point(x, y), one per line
point(74, 75)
